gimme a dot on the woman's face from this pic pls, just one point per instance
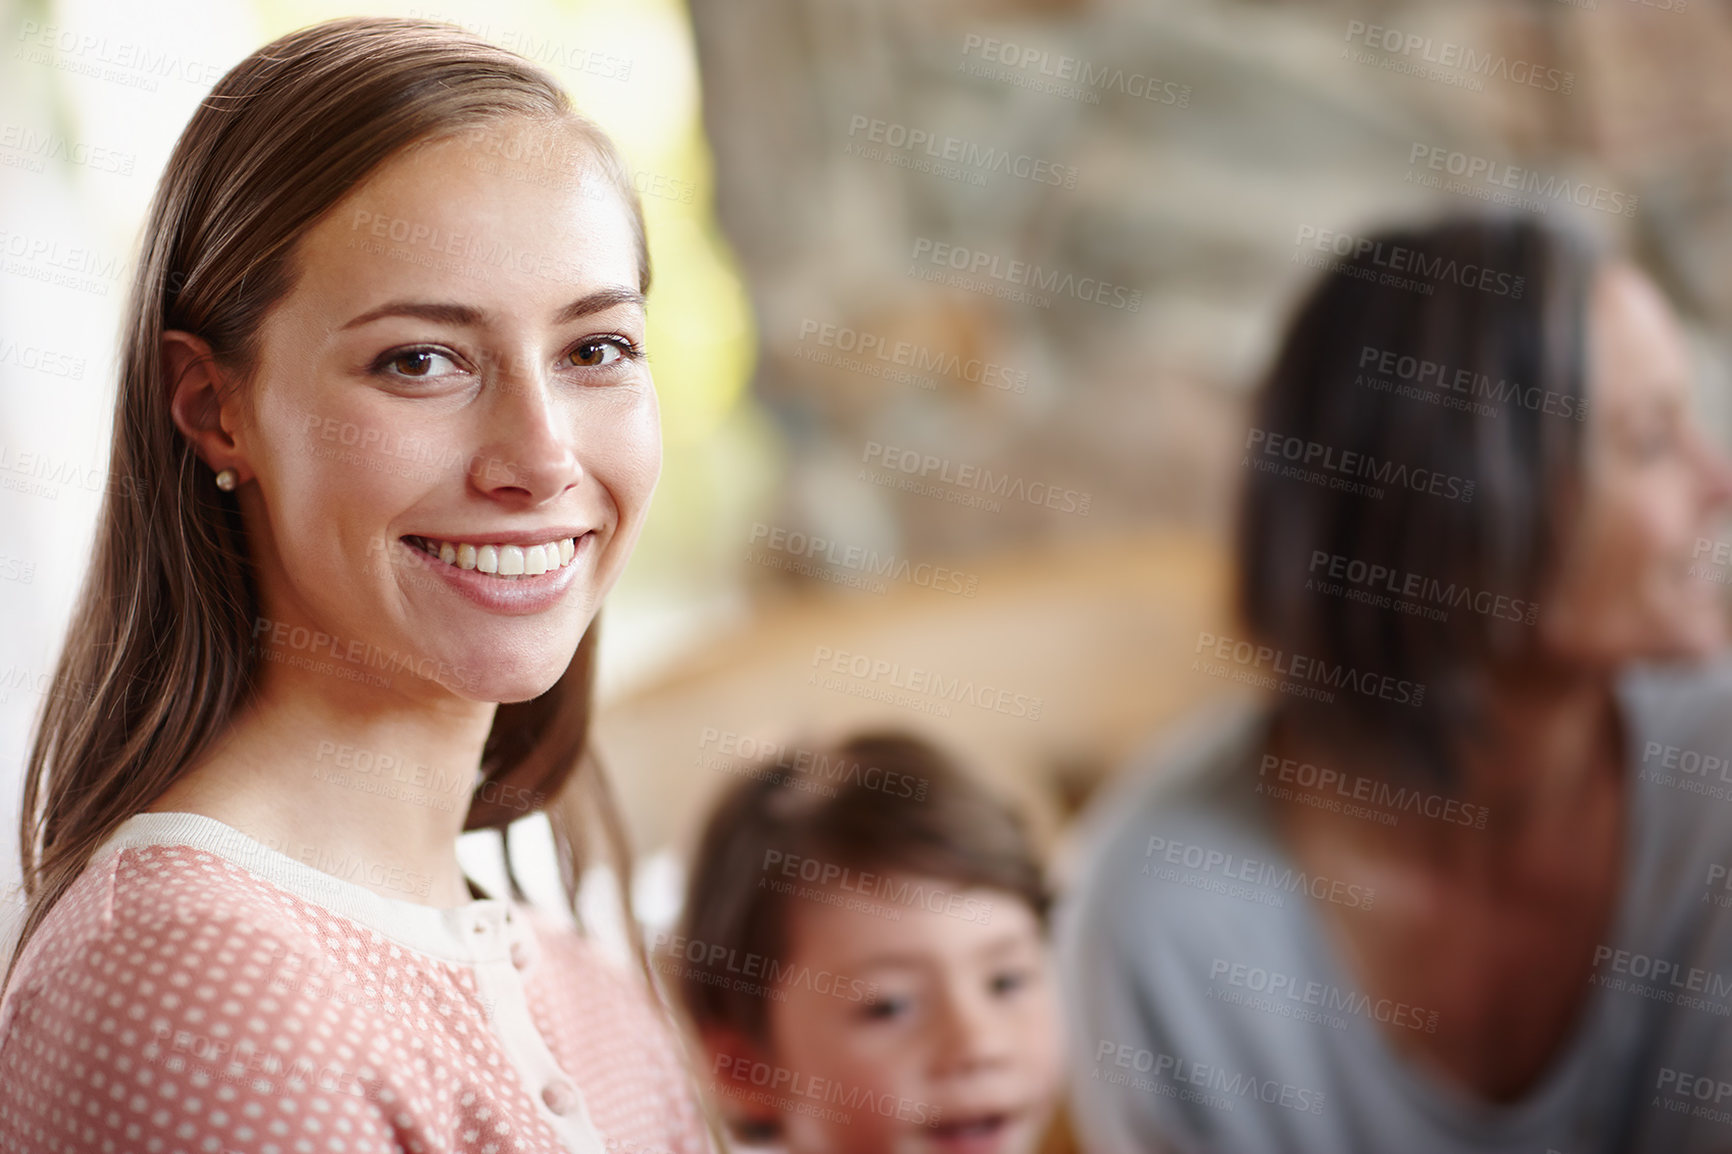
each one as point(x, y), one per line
point(947, 1040)
point(452, 436)
point(1632, 585)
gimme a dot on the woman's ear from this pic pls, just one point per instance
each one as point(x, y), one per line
point(197, 385)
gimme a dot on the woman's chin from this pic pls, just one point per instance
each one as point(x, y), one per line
point(1691, 642)
point(502, 683)
point(1702, 628)
point(507, 690)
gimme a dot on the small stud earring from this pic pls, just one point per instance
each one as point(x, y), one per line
point(227, 480)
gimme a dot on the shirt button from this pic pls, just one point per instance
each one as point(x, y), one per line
point(561, 1097)
point(520, 955)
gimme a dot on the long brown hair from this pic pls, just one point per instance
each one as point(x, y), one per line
point(159, 655)
point(1350, 379)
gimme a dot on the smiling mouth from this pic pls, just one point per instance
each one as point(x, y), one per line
point(508, 561)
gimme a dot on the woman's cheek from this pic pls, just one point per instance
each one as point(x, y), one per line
point(646, 457)
point(630, 467)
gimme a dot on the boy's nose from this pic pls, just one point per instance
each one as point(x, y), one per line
point(976, 1035)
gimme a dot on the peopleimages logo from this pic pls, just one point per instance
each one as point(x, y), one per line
point(1715, 571)
point(863, 560)
point(1384, 587)
point(1689, 770)
point(1289, 672)
point(1439, 378)
point(925, 690)
point(1662, 980)
point(36, 358)
point(956, 150)
point(1022, 274)
point(1207, 860)
point(1494, 180)
point(1174, 1077)
point(1460, 58)
point(891, 890)
point(1398, 258)
point(1068, 76)
point(1384, 796)
point(38, 148)
point(133, 64)
point(973, 478)
point(1346, 463)
point(1680, 1086)
point(725, 966)
point(31, 256)
point(860, 349)
point(798, 1092)
point(1325, 996)
point(729, 749)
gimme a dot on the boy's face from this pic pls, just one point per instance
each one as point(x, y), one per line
point(941, 1034)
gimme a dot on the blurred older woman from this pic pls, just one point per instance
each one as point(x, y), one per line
point(1433, 894)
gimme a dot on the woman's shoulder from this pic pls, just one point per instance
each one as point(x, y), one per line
point(181, 938)
point(164, 969)
point(1180, 842)
point(1189, 795)
point(164, 908)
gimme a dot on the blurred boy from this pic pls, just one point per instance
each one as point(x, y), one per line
point(863, 954)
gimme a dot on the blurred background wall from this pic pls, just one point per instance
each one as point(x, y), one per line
point(957, 308)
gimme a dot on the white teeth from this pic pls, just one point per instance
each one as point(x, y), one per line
point(502, 560)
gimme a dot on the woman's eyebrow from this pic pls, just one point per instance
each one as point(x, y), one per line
point(599, 301)
point(445, 313)
point(456, 314)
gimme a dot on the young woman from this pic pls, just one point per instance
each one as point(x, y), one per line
point(385, 438)
point(1417, 900)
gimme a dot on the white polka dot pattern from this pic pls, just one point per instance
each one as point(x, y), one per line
point(175, 1002)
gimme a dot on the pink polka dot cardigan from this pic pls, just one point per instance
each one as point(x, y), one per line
point(196, 991)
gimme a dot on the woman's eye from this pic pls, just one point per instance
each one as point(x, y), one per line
point(599, 352)
point(1009, 982)
point(1653, 441)
point(421, 364)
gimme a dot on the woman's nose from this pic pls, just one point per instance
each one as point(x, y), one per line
point(529, 448)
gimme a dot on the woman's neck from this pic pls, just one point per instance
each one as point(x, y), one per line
point(324, 771)
point(1549, 739)
point(1478, 922)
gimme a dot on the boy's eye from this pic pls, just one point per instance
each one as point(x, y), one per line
point(884, 1009)
point(1009, 981)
